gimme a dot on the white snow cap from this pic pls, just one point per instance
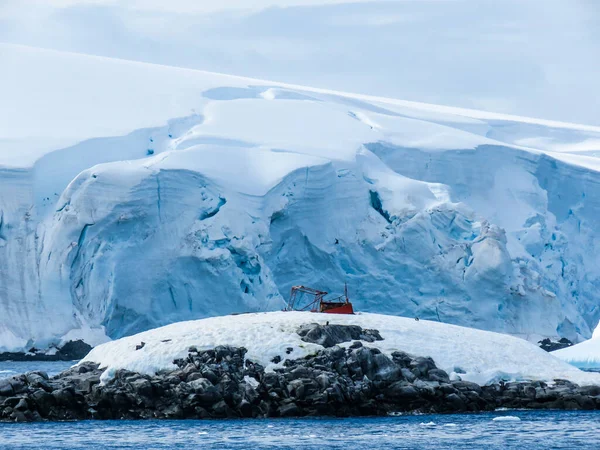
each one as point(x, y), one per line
point(585, 355)
point(473, 355)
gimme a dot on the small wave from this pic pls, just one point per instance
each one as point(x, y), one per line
point(428, 424)
point(203, 433)
point(450, 425)
point(506, 419)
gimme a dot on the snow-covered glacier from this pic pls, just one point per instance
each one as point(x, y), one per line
point(135, 195)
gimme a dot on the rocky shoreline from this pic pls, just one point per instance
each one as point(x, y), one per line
point(222, 383)
point(70, 351)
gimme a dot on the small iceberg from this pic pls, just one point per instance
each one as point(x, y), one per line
point(506, 419)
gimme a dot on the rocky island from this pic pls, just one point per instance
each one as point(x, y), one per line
point(324, 369)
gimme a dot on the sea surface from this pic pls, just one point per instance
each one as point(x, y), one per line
point(9, 368)
point(500, 430)
point(534, 430)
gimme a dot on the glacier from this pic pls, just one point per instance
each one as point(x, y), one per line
point(136, 195)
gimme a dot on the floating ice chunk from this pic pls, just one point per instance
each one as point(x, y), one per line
point(506, 419)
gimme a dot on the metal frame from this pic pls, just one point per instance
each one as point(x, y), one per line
point(318, 301)
point(318, 297)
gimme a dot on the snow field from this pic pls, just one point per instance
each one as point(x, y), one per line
point(484, 357)
point(585, 355)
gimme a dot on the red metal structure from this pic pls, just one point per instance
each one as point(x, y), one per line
point(317, 303)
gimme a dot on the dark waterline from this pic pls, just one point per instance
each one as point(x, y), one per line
point(535, 430)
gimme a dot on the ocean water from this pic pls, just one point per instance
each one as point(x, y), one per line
point(500, 430)
point(9, 368)
point(517, 430)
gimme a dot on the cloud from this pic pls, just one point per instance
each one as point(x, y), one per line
point(526, 58)
point(192, 6)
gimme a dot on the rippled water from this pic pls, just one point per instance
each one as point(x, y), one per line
point(534, 430)
point(8, 368)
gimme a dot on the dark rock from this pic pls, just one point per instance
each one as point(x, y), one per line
point(19, 416)
point(298, 372)
point(550, 346)
point(289, 410)
point(466, 386)
point(222, 409)
point(18, 383)
point(402, 391)
point(421, 366)
point(220, 383)
point(44, 401)
point(38, 374)
point(142, 386)
point(63, 397)
point(11, 402)
point(71, 351)
point(85, 367)
point(402, 359)
point(408, 375)
point(6, 388)
point(210, 376)
point(330, 335)
point(22, 405)
point(448, 389)
point(222, 352)
point(173, 412)
point(438, 375)
point(455, 402)
point(592, 391)
point(74, 350)
point(385, 369)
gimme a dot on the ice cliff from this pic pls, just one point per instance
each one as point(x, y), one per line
point(136, 195)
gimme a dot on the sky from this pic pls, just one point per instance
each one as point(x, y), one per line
point(538, 58)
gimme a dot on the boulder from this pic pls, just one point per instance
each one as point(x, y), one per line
point(402, 392)
point(289, 410)
point(421, 366)
point(330, 335)
point(6, 388)
point(219, 383)
point(73, 350)
point(438, 375)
